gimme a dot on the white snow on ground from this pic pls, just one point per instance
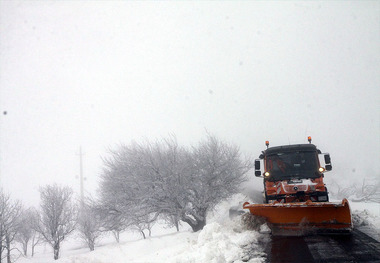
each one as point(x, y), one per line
point(222, 243)
point(215, 243)
point(371, 209)
point(155, 249)
point(366, 217)
point(222, 240)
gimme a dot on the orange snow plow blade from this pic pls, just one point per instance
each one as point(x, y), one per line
point(304, 217)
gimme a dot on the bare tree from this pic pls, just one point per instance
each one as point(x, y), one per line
point(26, 233)
point(140, 224)
point(217, 173)
point(369, 191)
point(112, 216)
point(163, 179)
point(89, 224)
point(173, 221)
point(115, 224)
point(57, 218)
point(341, 191)
point(9, 221)
point(141, 181)
point(25, 230)
point(36, 238)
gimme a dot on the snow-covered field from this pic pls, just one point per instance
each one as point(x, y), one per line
point(366, 217)
point(222, 240)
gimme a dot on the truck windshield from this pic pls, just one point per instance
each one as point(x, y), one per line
point(289, 165)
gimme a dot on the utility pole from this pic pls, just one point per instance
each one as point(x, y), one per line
point(81, 177)
point(1, 138)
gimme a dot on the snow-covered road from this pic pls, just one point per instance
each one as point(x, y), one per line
point(357, 247)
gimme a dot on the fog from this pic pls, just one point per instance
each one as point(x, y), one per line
point(95, 74)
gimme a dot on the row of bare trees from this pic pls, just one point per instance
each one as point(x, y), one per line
point(141, 183)
point(55, 219)
point(10, 211)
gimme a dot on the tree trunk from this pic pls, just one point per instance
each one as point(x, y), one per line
point(195, 225)
point(143, 234)
point(116, 234)
point(56, 250)
point(25, 248)
point(177, 226)
point(1, 250)
point(8, 245)
point(33, 246)
point(91, 245)
point(9, 256)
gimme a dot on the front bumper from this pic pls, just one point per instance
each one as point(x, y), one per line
point(314, 196)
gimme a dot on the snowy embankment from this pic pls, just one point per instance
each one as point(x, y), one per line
point(221, 240)
point(215, 243)
point(366, 218)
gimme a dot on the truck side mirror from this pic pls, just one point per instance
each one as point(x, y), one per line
point(257, 168)
point(257, 164)
point(327, 159)
point(328, 162)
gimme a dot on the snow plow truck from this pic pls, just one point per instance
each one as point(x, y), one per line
point(295, 197)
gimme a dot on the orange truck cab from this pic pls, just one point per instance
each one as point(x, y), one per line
point(293, 173)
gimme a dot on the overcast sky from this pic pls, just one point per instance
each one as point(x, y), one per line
point(94, 74)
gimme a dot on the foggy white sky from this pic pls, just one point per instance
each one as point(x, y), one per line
point(93, 74)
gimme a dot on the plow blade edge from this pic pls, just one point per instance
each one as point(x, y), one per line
point(305, 216)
